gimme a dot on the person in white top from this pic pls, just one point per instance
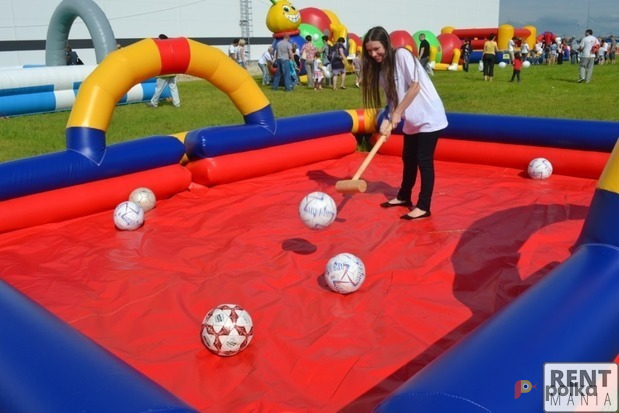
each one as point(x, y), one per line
point(602, 52)
point(511, 45)
point(524, 50)
point(587, 49)
point(265, 61)
point(411, 98)
point(233, 49)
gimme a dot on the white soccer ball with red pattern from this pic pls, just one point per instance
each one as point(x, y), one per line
point(128, 216)
point(227, 329)
point(317, 210)
point(539, 168)
point(345, 273)
point(145, 197)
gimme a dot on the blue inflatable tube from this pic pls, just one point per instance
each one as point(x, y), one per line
point(43, 90)
point(479, 373)
point(41, 102)
point(558, 133)
point(57, 170)
point(48, 366)
point(223, 140)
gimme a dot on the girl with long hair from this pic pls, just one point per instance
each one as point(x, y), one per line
point(411, 98)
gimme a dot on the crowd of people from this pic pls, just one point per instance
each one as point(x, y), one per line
point(585, 52)
point(281, 65)
point(563, 50)
point(324, 67)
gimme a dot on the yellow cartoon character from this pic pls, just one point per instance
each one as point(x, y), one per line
point(283, 17)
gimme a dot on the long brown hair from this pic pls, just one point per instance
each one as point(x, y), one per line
point(371, 70)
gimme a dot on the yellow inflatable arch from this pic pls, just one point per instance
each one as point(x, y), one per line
point(124, 68)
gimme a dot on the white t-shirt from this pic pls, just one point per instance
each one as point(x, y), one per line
point(524, 48)
point(426, 112)
point(510, 45)
point(586, 44)
point(538, 48)
point(265, 58)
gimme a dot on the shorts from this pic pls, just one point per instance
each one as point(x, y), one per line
point(336, 72)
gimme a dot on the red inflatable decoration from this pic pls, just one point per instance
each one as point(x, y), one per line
point(546, 37)
point(402, 38)
point(357, 40)
point(449, 42)
point(317, 18)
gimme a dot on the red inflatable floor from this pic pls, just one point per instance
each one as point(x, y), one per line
point(143, 294)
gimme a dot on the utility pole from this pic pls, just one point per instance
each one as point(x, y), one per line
point(247, 25)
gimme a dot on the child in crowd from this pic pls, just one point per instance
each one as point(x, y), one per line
point(318, 74)
point(517, 66)
point(356, 64)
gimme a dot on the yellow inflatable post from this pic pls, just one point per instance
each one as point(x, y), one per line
point(506, 33)
point(530, 40)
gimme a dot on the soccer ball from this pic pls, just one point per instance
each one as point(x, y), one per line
point(128, 216)
point(227, 329)
point(539, 168)
point(502, 65)
point(345, 273)
point(145, 197)
point(526, 64)
point(317, 210)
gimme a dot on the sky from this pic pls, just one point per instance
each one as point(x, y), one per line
point(563, 17)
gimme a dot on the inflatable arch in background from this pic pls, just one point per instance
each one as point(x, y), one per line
point(60, 26)
point(51, 88)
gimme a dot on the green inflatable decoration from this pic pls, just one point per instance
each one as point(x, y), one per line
point(305, 29)
point(433, 40)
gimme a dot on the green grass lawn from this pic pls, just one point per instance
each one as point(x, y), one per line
point(545, 91)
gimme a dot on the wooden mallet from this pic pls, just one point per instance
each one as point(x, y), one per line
point(355, 184)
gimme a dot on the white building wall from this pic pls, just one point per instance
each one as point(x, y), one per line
point(29, 19)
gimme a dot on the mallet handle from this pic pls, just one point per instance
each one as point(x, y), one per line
point(370, 156)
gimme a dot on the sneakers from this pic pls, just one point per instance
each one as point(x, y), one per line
point(150, 105)
point(581, 80)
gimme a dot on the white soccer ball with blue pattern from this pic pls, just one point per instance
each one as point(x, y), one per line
point(128, 216)
point(317, 210)
point(539, 168)
point(345, 273)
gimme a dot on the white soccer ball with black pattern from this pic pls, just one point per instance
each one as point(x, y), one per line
point(128, 216)
point(539, 168)
point(345, 273)
point(227, 329)
point(145, 197)
point(317, 210)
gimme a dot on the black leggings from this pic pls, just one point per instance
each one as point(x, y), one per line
point(488, 60)
point(418, 153)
